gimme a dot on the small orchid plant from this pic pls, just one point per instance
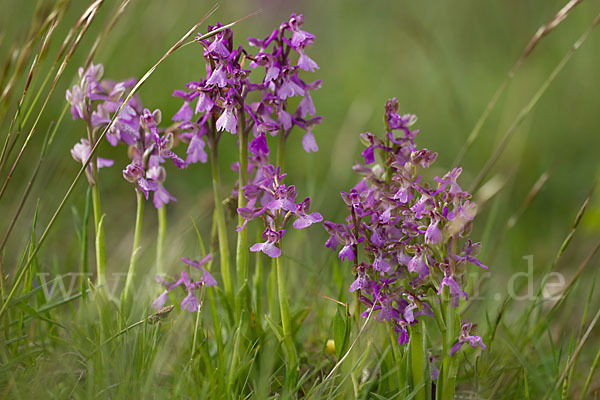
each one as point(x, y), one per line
point(414, 240)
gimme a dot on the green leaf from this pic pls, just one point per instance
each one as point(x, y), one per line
point(437, 310)
point(35, 314)
point(340, 333)
point(277, 330)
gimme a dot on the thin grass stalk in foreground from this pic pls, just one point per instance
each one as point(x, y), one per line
point(28, 188)
point(341, 360)
point(588, 380)
point(22, 54)
point(68, 38)
point(196, 325)
point(577, 350)
point(450, 325)
point(98, 220)
point(537, 186)
point(560, 252)
point(566, 291)
point(91, 13)
point(44, 47)
point(151, 319)
point(541, 32)
point(531, 104)
point(93, 151)
point(107, 29)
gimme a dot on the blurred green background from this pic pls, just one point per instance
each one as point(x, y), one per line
point(442, 60)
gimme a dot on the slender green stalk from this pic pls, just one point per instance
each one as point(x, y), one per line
point(21, 272)
point(242, 236)
point(397, 380)
point(99, 229)
point(588, 380)
point(220, 216)
point(271, 291)
point(530, 106)
point(135, 250)
point(88, 16)
point(84, 240)
point(258, 285)
point(418, 365)
point(160, 240)
point(233, 366)
point(98, 223)
point(281, 149)
point(447, 377)
point(288, 341)
point(197, 324)
point(540, 33)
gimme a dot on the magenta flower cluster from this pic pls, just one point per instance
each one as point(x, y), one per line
point(223, 102)
point(227, 94)
point(282, 81)
point(190, 302)
point(413, 236)
point(96, 101)
point(274, 202)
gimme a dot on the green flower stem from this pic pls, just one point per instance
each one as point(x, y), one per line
point(195, 330)
point(281, 149)
point(160, 240)
point(418, 366)
point(271, 291)
point(258, 284)
point(447, 377)
point(84, 242)
point(288, 341)
point(220, 216)
point(242, 236)
point(99, 229)
point(98, 225)
point(135, 251)
point(397, 381)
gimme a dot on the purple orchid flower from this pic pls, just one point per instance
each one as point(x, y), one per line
point(465, 337)
point(269, 247)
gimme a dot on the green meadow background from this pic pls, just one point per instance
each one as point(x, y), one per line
point(442, 60)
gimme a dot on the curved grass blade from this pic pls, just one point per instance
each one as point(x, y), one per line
point(95, 147)
point(531, 104)
point(543, 31)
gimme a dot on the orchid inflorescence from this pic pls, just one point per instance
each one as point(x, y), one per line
point(276, 206)
point(413, 235)
point(95, 101)
point(217, 102)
